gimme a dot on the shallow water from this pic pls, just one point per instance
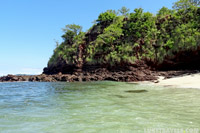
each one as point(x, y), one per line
point(95, 107)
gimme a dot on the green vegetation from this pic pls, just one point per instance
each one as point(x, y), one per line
point(120, 37)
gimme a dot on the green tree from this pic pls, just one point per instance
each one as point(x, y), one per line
point(195, 2)
point(124, 11)
point(164, 11)
point(73, 27)
point(105, 42)
point(107, 17)
point(184, 4)
point(71, 31)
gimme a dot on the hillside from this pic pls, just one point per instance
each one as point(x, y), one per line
point(122, 40)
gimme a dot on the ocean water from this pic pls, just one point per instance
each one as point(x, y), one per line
point(33, 107)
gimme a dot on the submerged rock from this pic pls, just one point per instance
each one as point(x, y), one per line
point(136, 91)
point(120, 96)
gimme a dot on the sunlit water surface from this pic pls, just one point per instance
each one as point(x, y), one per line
point(95, 107)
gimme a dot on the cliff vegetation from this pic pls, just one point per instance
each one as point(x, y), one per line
point(120, 39)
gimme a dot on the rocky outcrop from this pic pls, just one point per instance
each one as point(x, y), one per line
point(127, 73)
point(97, 74)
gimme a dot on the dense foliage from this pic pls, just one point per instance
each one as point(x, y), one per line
point(120, 37)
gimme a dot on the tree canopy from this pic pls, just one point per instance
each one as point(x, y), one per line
point(184, 4)
point(124, 38)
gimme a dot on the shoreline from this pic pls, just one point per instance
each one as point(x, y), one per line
point(127, 76)
point(164, 78)
point(184, 81)
point(189, 81)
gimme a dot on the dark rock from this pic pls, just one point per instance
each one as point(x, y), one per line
point(136, 72)
point(136, 91)
point(120, 96)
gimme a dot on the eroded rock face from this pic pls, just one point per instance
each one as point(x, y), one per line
point(137, 72)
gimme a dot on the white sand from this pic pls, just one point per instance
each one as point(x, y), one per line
point(188, 81)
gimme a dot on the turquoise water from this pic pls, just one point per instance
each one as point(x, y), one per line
point(95, 107)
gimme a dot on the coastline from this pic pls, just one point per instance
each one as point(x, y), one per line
point(188, 80)
point(181, 78)
point(101, 75)
point(185, 81)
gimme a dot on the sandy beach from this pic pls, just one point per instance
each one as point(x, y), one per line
point(186, 81)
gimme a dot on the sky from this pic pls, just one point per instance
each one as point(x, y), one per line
point(29, 28)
